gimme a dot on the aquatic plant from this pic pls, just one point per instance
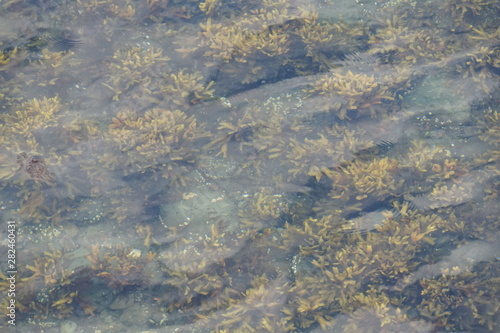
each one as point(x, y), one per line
point(330, 269)
point(46, 290)
point(392, 208)
point(359, 183)
point(475, 299)
point(119, 266)
point(238, 129)
point(227, 42)
point(32, 115)
point(135, 66)
point(308, 155)
point(184, 89)
point(393, 36)
point(324, 40)
point(481, 65)
point(8, 58)
point(259, 307)
point(252, 47)
point(159, 140)
point(209, 7)
point(8, 166)
point(374, 310)
point(262, 210)
point(464, 11)
point(354, 95)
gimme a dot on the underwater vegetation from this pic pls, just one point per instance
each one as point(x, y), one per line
point(263, 166)
point(159, 139)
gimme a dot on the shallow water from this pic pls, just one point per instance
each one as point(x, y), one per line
point(268, 166)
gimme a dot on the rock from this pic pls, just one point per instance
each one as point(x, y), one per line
point(68, 326)
point(122, 302)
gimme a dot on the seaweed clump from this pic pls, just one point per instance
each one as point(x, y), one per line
point(349, 95)
point(332, 273)
point(160, 140)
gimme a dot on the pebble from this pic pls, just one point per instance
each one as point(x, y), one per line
point(122, 302)
point(68, 327)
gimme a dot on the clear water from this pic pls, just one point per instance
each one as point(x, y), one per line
point(263, 166)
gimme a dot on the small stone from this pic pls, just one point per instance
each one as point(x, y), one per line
point(122, 302)
point(68, 326)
